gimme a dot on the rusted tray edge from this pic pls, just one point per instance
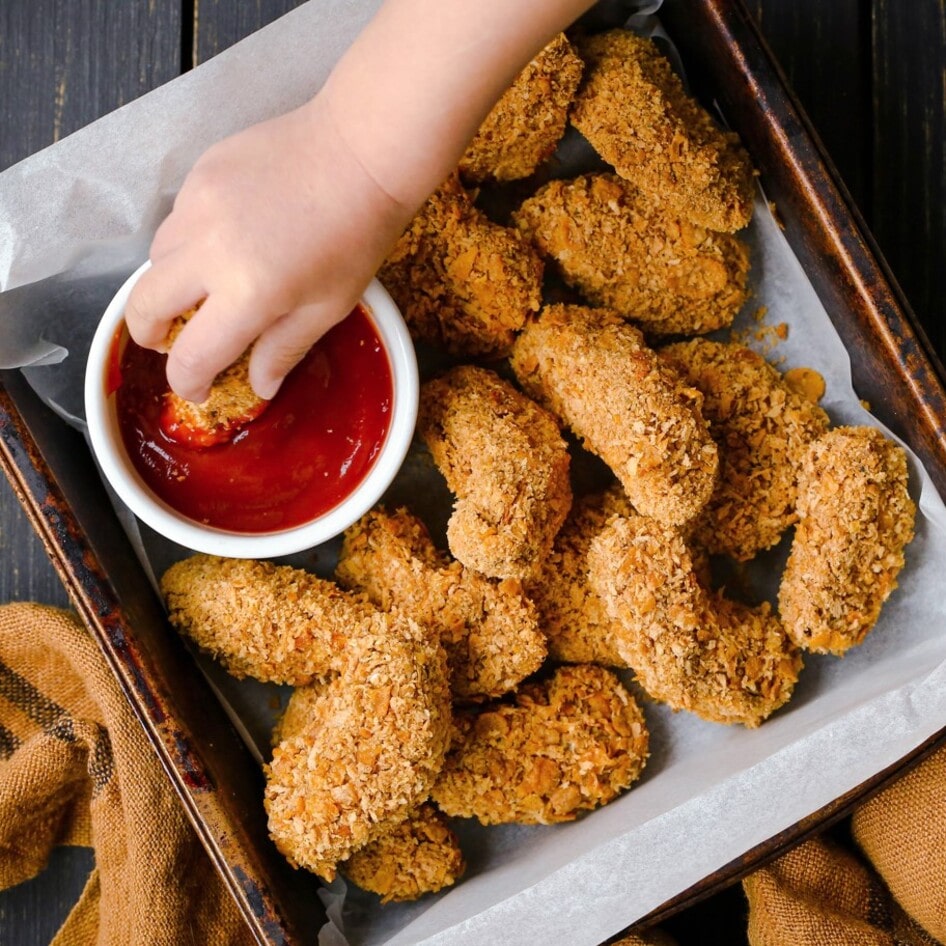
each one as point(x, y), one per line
point(98, 606)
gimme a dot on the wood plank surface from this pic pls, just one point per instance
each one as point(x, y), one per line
point(870, 78)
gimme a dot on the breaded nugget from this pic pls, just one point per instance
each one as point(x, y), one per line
point(273, 623)
point(633, 109)
point(526, 124)
point(593, 370)
point(855, 519)
point(504, 458)
point(357, 754)
point(690, 648)
point(622, 250)
point(463, 283)
point(231, 404)
point(570, 612)
point(416, 856)
point(568, 744)
point(762, 428)
point(489, 629)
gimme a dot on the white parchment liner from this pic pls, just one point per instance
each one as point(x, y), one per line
point(76, 218)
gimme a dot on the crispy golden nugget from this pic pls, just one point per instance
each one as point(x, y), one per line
point(622, 250)
point(633, 109)
point(273, 623)
point(855, 519)
point(504, 458)
point(488, 628)
point(416, 856)
point(569, 744)
point(570, 612)
point(463, 283)
point(357, 754)
point(690, 648)
point(593, 370)
point(229, 407)
point(526, 124)
point(762, 428)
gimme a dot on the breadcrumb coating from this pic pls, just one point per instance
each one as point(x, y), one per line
point(488, 628)
point(417, 856)
point(762, 428)
point(855, 520)
point(230, 406)
point(568, 744)
point(504, 458)
point(271, 622)
point(635, 112)
point(526, 124)
point(690, 648)
point(593, 370)
point(361, 751)
point(571, 614)
point(462, 282)
point(622, 250)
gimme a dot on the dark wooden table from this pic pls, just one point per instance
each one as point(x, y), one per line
point(868, 72)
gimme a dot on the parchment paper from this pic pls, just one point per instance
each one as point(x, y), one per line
point(76, 218)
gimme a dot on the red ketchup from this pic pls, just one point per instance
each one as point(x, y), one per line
point(310, 449)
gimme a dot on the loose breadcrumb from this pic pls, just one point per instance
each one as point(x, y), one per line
point(593, 370)
point(505, 459)
point(568, 744)
point(762, 428)
point(462, 282)
point(417, 856)
point(634, 110)
point(690, 648)
point(526, 124)
point(357, 754)
point(855, 519)
point(488, 628)
point(274, 623)
point(621, 249)
point(231, 404)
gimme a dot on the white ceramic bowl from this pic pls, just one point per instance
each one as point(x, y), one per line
point(118, 469)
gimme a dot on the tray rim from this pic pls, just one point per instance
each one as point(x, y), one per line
point(98, 604)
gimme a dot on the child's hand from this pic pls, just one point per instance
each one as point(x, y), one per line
point(279, 229)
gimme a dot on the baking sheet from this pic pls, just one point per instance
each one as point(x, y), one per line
point(76, 218)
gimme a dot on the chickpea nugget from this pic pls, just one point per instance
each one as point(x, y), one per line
point(689, 648)
point(593, 370)
point(763, 429)
point(230, 406)
point(271, 622)
point(627, 252)
point(568, 744)
point(489, 629)
point(417, 856)
point(526, 124)
point(462, 282)
point(572, 615)
point(634, 110)
point(505, 459)
point(357, 754)
point(855, 519)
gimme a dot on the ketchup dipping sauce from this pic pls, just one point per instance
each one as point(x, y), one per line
point(311, 447)
point(317, 458)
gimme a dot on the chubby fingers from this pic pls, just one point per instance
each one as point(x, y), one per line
point(163, 291)
point(284, 343)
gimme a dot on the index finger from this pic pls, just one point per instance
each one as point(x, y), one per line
point(170, 286)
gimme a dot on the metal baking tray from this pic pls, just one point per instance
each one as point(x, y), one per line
point(206, 761)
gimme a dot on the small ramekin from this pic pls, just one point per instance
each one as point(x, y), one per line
point(118, 469)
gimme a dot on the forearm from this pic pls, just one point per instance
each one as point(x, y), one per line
point(412, 90)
